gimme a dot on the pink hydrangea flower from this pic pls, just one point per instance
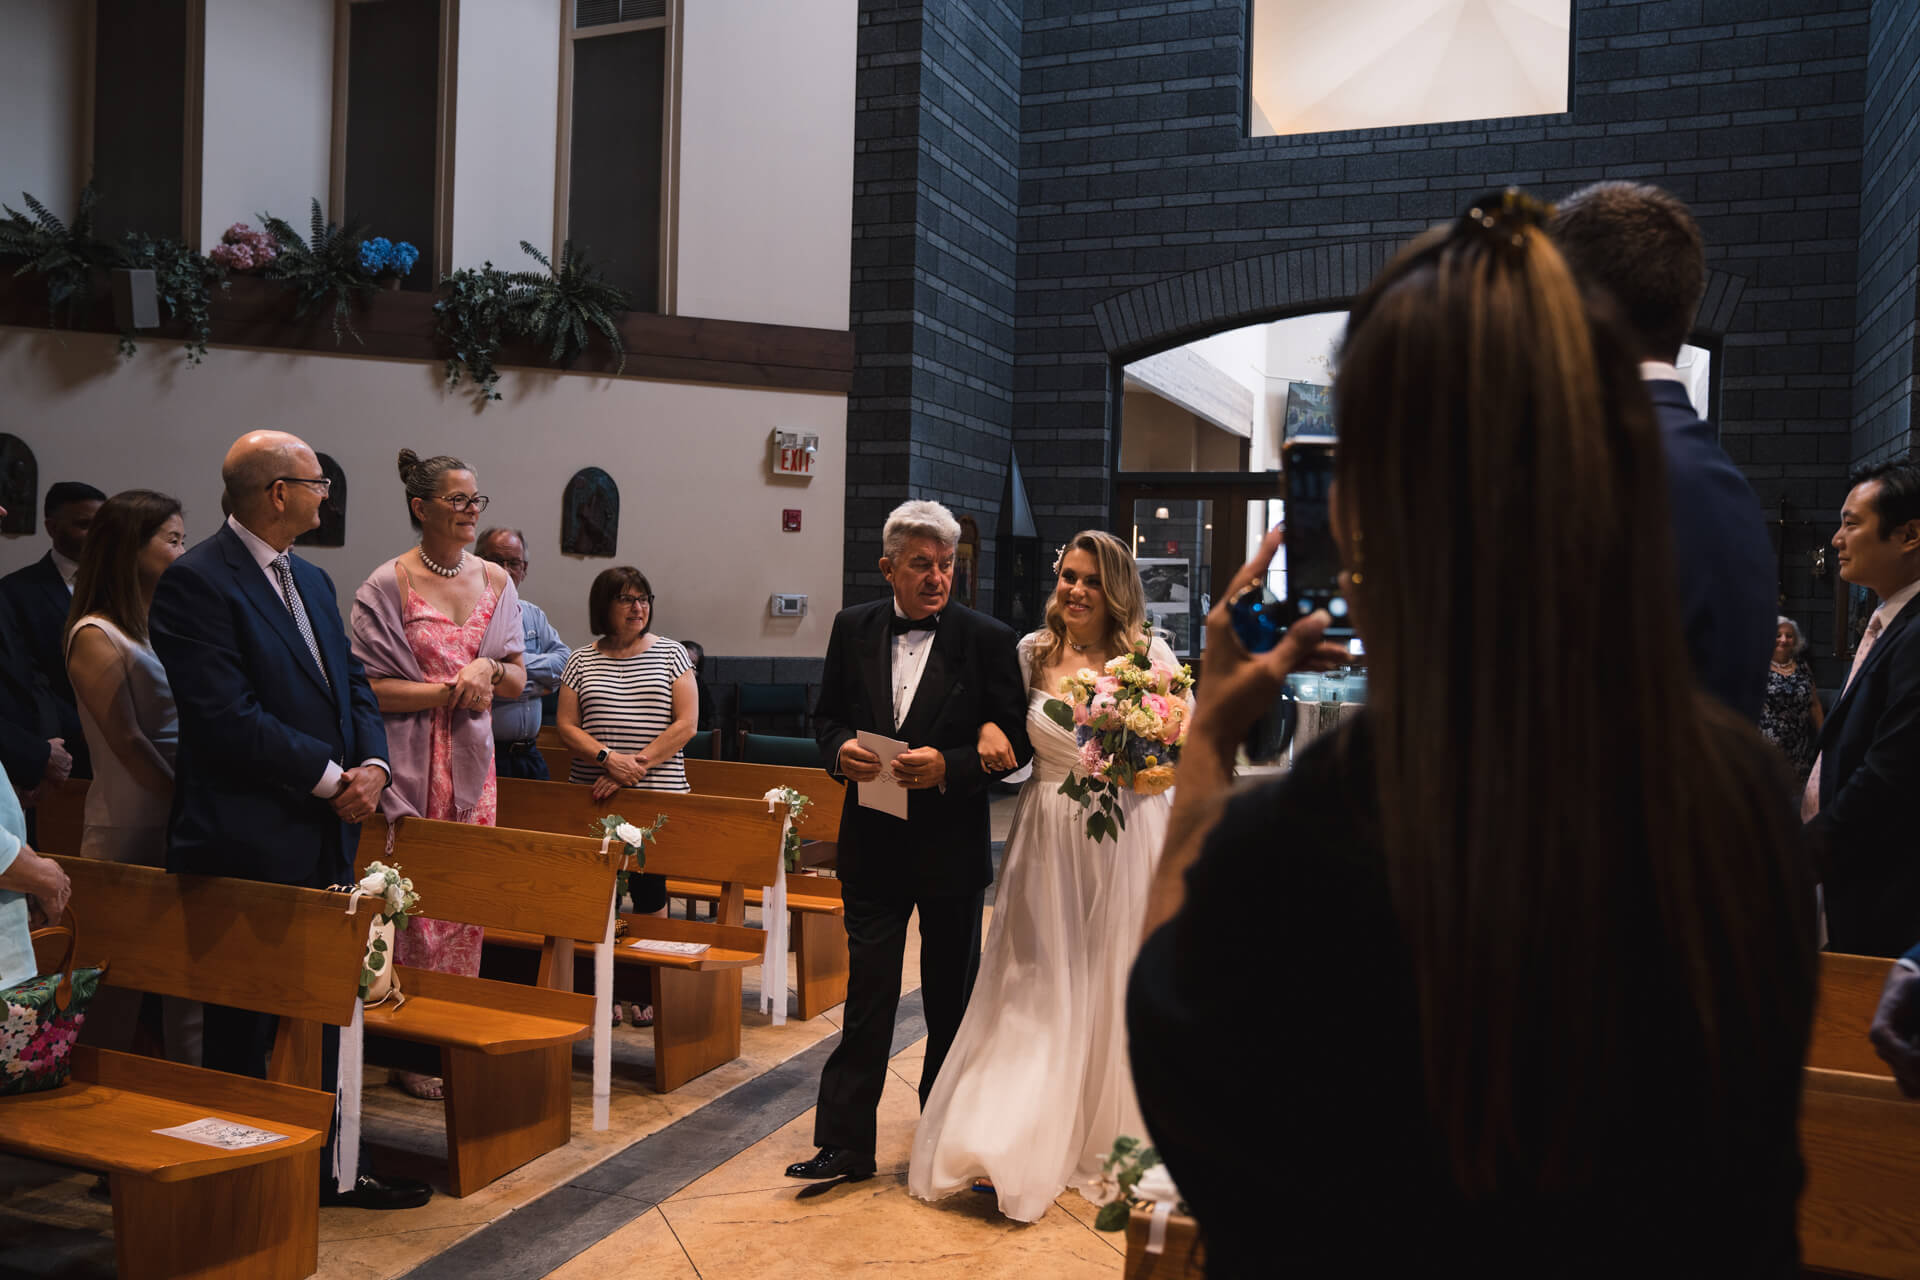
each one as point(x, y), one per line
point(1092, 760)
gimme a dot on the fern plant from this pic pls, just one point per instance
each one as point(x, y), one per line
point(66, 255)
point(472, 320)
point(183, 281)
point(561, 309)
point(324, 265)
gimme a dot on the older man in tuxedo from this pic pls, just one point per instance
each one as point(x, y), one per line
point(281, 741)
point(913, 667)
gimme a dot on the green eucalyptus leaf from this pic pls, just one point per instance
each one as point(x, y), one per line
point(1061, 713)
point(1113, 1216)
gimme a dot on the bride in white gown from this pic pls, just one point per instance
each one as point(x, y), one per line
point(1036, 1086)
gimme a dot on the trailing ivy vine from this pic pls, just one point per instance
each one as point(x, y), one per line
point(183, 281)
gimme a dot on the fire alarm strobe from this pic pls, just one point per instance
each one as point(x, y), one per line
point(790, 520)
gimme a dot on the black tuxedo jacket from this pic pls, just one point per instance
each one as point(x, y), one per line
point(1725, 564)
point(36, 601)
point(972, 676)
point(1869, 772)
point(257, 723)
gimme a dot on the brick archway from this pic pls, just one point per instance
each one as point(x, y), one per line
point(1293, 282)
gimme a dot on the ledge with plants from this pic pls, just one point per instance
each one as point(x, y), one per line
point(334, 291)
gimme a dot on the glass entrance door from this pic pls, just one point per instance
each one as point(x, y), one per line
point(1189, 535)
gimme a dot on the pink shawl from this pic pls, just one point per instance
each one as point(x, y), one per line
point(380, 643)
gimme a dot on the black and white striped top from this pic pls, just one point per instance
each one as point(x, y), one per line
point(625, 703)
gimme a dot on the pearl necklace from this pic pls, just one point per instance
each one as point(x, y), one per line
point(441, 569)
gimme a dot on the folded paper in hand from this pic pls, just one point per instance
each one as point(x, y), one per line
point(885, 792)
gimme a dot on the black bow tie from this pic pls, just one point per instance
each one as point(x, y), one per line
point(903, 625)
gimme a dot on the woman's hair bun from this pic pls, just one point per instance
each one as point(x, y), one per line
point(408, 461)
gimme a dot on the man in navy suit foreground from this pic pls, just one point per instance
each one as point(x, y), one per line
point(281, 741)
point(1859, 801)
point(1641, 245)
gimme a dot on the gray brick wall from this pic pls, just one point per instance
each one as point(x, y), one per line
point(1142, 213)
point(1884, 339)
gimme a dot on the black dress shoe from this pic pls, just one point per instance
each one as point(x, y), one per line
point(834, 1162)
point(370, 1192)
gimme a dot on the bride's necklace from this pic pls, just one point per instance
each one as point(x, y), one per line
point(1787, 670)
point(442, 569)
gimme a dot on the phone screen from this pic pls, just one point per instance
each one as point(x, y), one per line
point(1313, 560)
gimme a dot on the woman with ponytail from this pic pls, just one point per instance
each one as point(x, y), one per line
point(1534, 932)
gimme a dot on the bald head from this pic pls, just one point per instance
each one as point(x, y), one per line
point(277, 513)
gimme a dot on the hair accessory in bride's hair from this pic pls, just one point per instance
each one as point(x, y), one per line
point(1058, 556)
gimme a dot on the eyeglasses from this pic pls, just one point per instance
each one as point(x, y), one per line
point(507, 564)
point(324, 483)
point(462, 502)
point(628, 601)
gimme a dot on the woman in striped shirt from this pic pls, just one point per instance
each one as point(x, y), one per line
point(628, 704)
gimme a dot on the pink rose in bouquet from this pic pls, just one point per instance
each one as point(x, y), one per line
point(1129, 721)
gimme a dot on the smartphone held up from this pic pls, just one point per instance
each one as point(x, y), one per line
point(1260, 618)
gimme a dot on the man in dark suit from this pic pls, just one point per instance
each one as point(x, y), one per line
point(36, 600)
point(1642, 246)
point(280, 737)
point(916, 668)
point(1859, 799)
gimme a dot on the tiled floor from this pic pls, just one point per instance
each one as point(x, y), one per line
point(687, 1184)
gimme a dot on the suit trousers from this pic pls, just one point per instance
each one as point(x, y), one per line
point(876, 945)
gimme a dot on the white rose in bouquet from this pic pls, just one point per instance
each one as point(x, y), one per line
point(628, 834)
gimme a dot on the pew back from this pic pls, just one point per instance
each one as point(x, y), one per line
point(752, 781)
point(499, 877)
point(272, 948)
point(725, 839)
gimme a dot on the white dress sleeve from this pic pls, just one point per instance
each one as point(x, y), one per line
point(1024, 650)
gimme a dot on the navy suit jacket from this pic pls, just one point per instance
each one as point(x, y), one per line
point(1726, 571)
point(972, 676)
point(257, 723)
point(1869, 771)
point(36, 601)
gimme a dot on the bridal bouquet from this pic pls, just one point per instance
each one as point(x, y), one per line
point(1129, 721)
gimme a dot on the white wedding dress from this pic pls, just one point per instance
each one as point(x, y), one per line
point(1036, 1086)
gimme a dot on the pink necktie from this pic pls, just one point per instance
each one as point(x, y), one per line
point(1810, 798)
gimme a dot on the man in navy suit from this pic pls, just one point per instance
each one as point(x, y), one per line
point(1641, 245)
point(1859, 799)
point(36, 600)
point(281, 741)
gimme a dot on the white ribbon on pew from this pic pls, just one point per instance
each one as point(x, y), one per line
point(346, 1129)
point(774, 919)
point(1156, 1185)
point(603, 1010)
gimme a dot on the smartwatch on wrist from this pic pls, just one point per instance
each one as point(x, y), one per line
point(602, 757)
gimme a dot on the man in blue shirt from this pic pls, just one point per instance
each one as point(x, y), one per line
point(516, 724)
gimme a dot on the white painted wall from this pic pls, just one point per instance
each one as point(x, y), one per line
point(507, 89)
point(42, 86)
point(267, 112)
point(699, 513)
point(766, 161)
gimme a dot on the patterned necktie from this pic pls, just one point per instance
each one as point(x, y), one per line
point(283, 569)
point(1810, 798)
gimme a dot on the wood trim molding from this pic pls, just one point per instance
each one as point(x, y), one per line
point(337, 150)
point(443, 137)
point(193, 152)
point(400, 325)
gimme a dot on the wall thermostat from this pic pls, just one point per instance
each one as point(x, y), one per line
point(787, 606)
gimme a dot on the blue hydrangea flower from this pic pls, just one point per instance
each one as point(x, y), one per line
point(403, 257)
point(375, 254)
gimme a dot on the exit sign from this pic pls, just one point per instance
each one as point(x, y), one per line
point(793, 452)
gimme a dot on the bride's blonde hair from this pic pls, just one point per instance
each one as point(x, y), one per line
point(1119, 583)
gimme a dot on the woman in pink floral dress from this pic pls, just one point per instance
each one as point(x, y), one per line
point(439, 633)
